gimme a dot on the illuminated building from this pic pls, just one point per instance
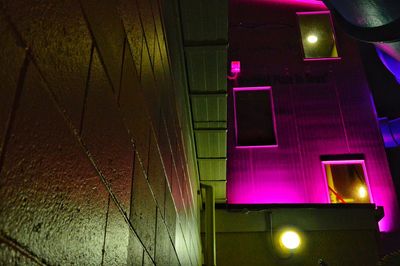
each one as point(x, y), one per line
point(304, 145)
point(120, 125)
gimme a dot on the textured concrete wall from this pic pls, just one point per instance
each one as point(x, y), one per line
point(93, 161)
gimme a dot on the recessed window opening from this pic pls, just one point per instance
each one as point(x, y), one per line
point(347, 181)
point(254, 117)
point(317, 35)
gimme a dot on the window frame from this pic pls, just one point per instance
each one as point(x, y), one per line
point(346, 162)
point(258, 88)
point(309, 13)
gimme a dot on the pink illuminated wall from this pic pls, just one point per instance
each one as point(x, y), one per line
point(321, 108)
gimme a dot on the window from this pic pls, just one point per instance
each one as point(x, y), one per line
point(347, 181)
point(317, 35)
point(254, 117)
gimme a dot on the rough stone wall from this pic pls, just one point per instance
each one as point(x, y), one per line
point(93, 161)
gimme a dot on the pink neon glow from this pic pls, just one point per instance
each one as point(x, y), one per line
point(235, 67)
point(264, 88)
point(307, 3)
point(313, 12)
point(322, 58)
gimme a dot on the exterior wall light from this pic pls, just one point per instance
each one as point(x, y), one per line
point(290, 239)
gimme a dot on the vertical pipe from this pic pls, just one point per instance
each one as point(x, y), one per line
point(210, 259)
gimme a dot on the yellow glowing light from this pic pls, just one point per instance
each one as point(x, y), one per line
point(312, 38)
point(362, 192)
point(290, 240)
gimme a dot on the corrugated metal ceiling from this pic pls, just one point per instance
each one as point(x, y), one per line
point(205, 32)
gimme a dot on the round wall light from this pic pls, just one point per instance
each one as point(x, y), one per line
point(290, 239)
point(312, 38)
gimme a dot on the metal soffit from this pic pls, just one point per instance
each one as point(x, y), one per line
point(205, 36)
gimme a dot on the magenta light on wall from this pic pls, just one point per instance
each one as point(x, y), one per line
point(292, 172)
point(305, 3)
point(235, 67)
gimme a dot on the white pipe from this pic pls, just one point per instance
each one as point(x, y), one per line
point(209, 223)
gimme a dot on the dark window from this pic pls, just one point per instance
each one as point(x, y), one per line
point(254, 117)
point(317, 35)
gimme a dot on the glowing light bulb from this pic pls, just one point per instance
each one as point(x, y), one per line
point(312, 38)
point(362, 192)
point(290, 240)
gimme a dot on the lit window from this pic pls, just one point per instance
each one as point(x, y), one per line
point(347, 181)
point(317, 35)
point(254, 117)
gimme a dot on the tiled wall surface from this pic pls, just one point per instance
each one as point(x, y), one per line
point(93, 161)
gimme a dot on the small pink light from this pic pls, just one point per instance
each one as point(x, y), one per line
point(235, 67)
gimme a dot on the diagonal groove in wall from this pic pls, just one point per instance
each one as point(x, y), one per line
point(109, 78)
point(122, 69)
point(86, 90)
point(155, 235)
point(14, 108)
point(103, 250)
point(20, 42)
point(84, 148)
point(24, 251)
point(152, 127)
point(109, 81)
point(77, 129)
